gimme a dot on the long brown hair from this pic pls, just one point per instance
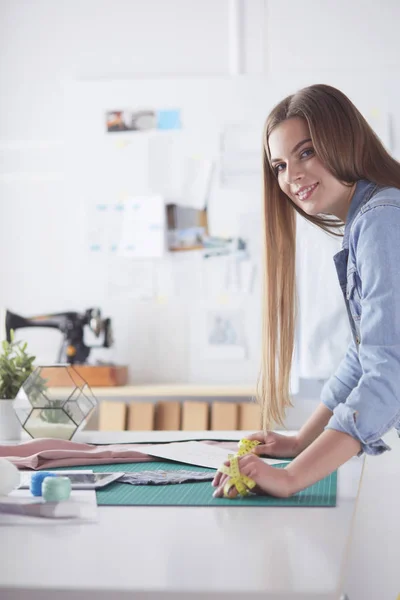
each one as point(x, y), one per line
point(350, 150)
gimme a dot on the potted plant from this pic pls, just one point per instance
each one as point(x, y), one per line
point(15, 366)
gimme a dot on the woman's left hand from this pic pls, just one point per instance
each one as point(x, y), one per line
point(269, 480)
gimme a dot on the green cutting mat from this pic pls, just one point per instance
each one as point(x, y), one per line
point(322, 493)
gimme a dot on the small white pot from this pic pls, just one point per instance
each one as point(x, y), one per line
point(10, 427)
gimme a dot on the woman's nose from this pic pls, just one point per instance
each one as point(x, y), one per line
point(293, 174)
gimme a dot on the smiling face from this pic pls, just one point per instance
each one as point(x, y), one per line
point(302, 176)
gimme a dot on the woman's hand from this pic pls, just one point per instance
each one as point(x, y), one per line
point(269, 480)
point(271, 444)
point(275, 444)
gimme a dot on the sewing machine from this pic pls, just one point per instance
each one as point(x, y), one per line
point(73, 348)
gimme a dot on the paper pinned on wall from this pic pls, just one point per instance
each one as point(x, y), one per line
point(248, 273)
point(214, 271)
point(224, 275)
point(131, 279)
point(114, 225)
point(233, 276)
point(240, 148)
point(96, 226)
point(143, 228)
point(118, 163)
point(164, 281)
point(188, 275)
point(224, 335)
point(165, 159)
point(221, 214)
point(197, 182)
point(104, 226)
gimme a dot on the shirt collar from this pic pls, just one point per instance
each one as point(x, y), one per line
point(360, 193)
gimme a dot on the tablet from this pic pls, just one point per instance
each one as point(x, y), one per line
point(79, 480)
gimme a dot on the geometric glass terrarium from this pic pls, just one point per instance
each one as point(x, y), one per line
point(45, 411)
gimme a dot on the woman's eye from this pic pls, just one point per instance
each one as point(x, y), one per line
point(306, 153)
point(279, 168)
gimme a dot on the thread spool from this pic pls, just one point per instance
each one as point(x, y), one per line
point(56, 489)
point(37, 481)
point(9, 477)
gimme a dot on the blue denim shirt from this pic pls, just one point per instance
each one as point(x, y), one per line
point(364, 393)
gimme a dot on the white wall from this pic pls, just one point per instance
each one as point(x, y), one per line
point(333, 35)
point(43, 42)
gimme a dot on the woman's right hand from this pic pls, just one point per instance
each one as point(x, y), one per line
point(271, 444)
point(275, 444)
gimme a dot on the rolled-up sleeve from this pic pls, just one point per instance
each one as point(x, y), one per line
point(372, 408)
point(338, 387)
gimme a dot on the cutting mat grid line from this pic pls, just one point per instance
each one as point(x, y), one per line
point(322, 493)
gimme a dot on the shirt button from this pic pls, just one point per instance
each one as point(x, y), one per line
point(357, 339)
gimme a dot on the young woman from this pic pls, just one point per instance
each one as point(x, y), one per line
point(322, 160)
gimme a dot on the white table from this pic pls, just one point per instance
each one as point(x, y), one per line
point(152, 553)
point(373, 565)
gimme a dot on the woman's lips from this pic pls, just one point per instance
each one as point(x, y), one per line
point(306, 193)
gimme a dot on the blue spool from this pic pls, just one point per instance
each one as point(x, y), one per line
point(37, 480)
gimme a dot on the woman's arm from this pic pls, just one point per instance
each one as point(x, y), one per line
point(326, 454)
point(313, 427)
point(373, 406)
point(346, 377)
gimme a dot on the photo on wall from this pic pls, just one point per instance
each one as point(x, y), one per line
point(129, 120)
point(121, 120)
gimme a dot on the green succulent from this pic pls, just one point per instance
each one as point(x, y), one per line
point(15, 366)
point(54, 413)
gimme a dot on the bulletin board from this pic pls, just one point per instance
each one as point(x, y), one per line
point(193, 129)
point(200, 127)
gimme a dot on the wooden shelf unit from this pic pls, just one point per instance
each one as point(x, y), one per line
point(174, 406)
point(172, 390)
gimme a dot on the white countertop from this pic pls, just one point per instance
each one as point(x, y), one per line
point(373, 565)
point(196, 552)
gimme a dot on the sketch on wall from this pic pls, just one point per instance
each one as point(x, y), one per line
point(134, 227)
point(225, 339)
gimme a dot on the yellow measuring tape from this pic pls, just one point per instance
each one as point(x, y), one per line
point(241, 482)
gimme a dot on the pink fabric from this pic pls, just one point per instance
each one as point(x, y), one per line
point(48, 453)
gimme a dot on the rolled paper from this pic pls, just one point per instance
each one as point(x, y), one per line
point(9, 477)
point(56, 489)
